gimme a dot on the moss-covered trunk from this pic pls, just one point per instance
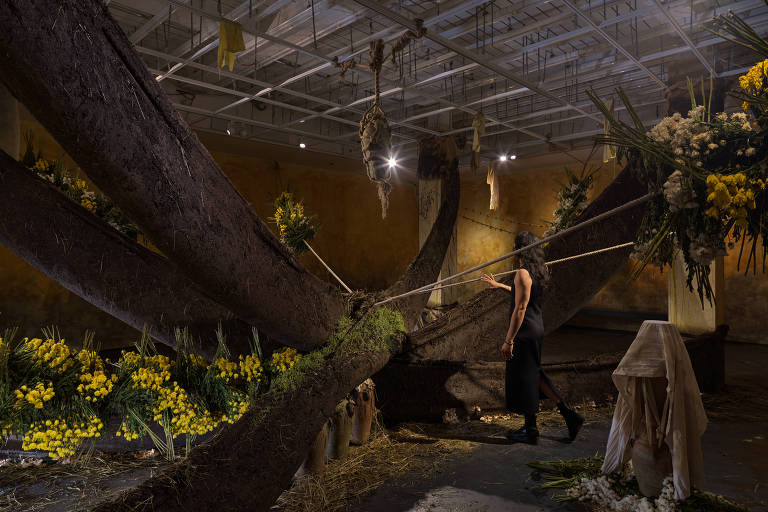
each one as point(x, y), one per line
point(88, 257)
point(70, 63)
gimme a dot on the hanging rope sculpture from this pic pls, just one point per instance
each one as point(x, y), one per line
point(478, 126)
point(343, 66)
point(375, 134)
point(405, 39)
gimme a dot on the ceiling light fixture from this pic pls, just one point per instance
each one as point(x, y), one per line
point(302, 145)
point(392, 162)
point(503, 158)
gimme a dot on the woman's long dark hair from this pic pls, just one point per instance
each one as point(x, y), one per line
point(532, 259)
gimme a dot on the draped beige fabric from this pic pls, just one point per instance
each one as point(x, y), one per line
point(659, 351)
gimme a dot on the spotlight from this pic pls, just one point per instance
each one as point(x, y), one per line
point(229, 128)
point(392, 162)
point(512, 156)
point(302, 145)
point(503, 158)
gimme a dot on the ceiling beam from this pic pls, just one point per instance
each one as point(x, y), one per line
point(613, 42)
point(680, 32)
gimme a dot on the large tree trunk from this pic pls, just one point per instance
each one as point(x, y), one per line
point(72, 66)
point(474, 330)
point(248, 465)
point(85, 255)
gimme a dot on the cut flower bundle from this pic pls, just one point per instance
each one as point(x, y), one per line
point(709, 171)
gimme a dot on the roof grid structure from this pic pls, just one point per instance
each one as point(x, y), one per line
point(524, 64)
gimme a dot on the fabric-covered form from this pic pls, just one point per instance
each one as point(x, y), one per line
point(658, 351)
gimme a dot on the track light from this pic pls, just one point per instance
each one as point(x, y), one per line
point(302, 145)
point(512, 156)
point(503, 158)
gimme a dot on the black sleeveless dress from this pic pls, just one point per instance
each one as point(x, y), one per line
point(524, 369)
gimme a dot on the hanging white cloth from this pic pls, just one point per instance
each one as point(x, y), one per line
point(659, 351)
point(493, 181)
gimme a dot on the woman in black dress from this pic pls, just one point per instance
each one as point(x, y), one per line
point(526, 383)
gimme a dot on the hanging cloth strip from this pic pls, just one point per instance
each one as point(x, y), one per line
point(478, 124)
point(493, 180)
point(375, 134)
point(230, 42)
point(609, 152)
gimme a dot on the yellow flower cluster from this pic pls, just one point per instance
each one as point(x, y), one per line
point(126, 433)
point(53, 354)
point(129, 359)
point(237, 407)
point(58, 438)
point(35, 396)
point(197, 360)
point(754, 80)
point(731, 195)
point(88, 205)
point(226, 370)
point(96, 385)
point(284, 359)
point(250, 368)
point(41, 165)
point(149, 378)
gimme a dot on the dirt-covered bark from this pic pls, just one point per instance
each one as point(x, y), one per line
point(474, 330)
point(71, 65)
point(85, 255)
point(248, 465)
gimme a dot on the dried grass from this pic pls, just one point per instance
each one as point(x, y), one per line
point(388, 455)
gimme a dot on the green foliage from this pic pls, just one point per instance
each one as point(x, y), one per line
point(373, 333)
point(76, 189)
point(571, 199)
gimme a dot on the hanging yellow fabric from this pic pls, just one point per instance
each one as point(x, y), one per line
point(230, 42)
point(609, 152)
point(493, 181)
point(478, 123)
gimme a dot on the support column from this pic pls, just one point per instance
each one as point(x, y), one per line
point(431, 194)
point(684, 306)
point(10, 137)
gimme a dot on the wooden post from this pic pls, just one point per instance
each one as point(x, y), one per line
point(431, 193)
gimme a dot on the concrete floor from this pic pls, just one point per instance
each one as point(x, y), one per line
point(495, 478)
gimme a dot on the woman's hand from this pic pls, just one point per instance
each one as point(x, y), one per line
point(492, 283)
point(506, 350)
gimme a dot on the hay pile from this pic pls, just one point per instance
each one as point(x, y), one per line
point(388, 455)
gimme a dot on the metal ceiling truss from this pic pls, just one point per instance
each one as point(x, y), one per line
point(525, 69)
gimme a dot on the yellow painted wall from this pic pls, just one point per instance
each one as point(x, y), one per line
point(527, 198)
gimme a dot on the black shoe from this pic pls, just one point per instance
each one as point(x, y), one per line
point(528, 435)
point(574, 421)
